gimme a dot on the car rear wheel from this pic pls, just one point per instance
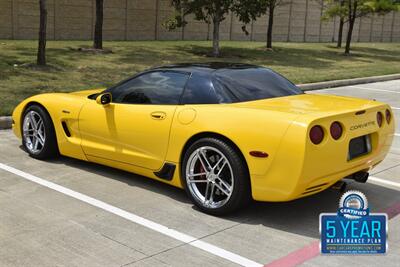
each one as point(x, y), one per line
point(216, 177)
point(38, 135)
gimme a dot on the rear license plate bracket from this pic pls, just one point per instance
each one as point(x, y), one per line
point(359, 146)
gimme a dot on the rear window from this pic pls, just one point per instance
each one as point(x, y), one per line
point(199, 91)
point(247, 84)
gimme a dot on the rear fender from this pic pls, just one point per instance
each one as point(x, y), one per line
point(248, 129)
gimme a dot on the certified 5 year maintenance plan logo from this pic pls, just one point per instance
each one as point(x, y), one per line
point(353, 229)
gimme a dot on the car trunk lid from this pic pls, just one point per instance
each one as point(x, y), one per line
point(310, 103)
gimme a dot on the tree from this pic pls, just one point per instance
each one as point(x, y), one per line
point(204, 10)
point(341, 24)
point(213, 12)
point(41, 54)
point(248, 10)
point(98, 29)
point(354, 9)
point(335, 10)
point(271, 5)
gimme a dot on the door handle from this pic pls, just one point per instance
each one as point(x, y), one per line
point(158, 115)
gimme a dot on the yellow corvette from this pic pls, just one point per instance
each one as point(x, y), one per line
point(225, 133)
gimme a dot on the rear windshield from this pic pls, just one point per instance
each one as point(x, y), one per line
point(247, 84)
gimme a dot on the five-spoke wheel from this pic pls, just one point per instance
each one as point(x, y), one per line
point(38, 135)
point(209, 176)
point(33, 132)
point(216, 176)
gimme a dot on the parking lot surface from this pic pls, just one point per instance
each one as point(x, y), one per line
point(74, 213)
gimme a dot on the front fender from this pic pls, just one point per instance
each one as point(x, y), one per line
point(61, 108)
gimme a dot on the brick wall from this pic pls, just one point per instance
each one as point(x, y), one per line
point(296, 21)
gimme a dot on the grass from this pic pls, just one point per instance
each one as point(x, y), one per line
point(70, 69)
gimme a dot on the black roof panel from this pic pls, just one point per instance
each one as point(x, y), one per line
point(205, 67)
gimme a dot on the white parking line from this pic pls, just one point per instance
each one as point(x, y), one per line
point(395, 108)
point(396, 134)
point(377, 180)
point(361, 88)
point(374, 89)
point(187, 239)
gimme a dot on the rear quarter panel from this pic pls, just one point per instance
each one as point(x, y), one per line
point(249, 129)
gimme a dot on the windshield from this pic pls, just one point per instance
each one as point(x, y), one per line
point(249, 84)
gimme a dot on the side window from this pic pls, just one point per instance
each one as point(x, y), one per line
point(159, 87)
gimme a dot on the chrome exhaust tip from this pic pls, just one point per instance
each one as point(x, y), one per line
point(360, 177)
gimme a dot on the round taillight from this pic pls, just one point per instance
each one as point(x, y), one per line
point(316, 134)
point(379, 118)
point(388, 116)
point(336, 130)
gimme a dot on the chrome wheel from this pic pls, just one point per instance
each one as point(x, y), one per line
point(34, 132)
point(209, 177)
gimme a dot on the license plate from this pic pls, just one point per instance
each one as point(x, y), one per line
point(359, 146)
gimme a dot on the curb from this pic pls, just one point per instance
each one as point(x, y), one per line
point(337, 83)
point(5, 123)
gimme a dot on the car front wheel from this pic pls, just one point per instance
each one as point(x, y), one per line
point(216, 176)
point(38, 135)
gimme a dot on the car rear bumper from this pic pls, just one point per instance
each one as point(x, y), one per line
point(301, 168)
point(295, 188)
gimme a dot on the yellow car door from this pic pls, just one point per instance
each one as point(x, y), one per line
point(134, 128)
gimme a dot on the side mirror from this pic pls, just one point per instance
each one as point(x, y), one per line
point(104, 99)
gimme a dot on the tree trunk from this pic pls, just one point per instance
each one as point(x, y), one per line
point(270, 24)
point(340, 33)
point(98, 30)
point(352, 19)
point(341, 23)
point(41, 55)
point(216, 23)
point(349, 34)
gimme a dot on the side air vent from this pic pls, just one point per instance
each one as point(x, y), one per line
point(166, 172)
point(66, 130)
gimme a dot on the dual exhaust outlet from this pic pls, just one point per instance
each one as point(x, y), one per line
point(360, 177)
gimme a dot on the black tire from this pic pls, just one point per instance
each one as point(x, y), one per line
point(50, 148)
point(240, 194)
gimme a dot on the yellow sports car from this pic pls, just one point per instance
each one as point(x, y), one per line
point(225, 133)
